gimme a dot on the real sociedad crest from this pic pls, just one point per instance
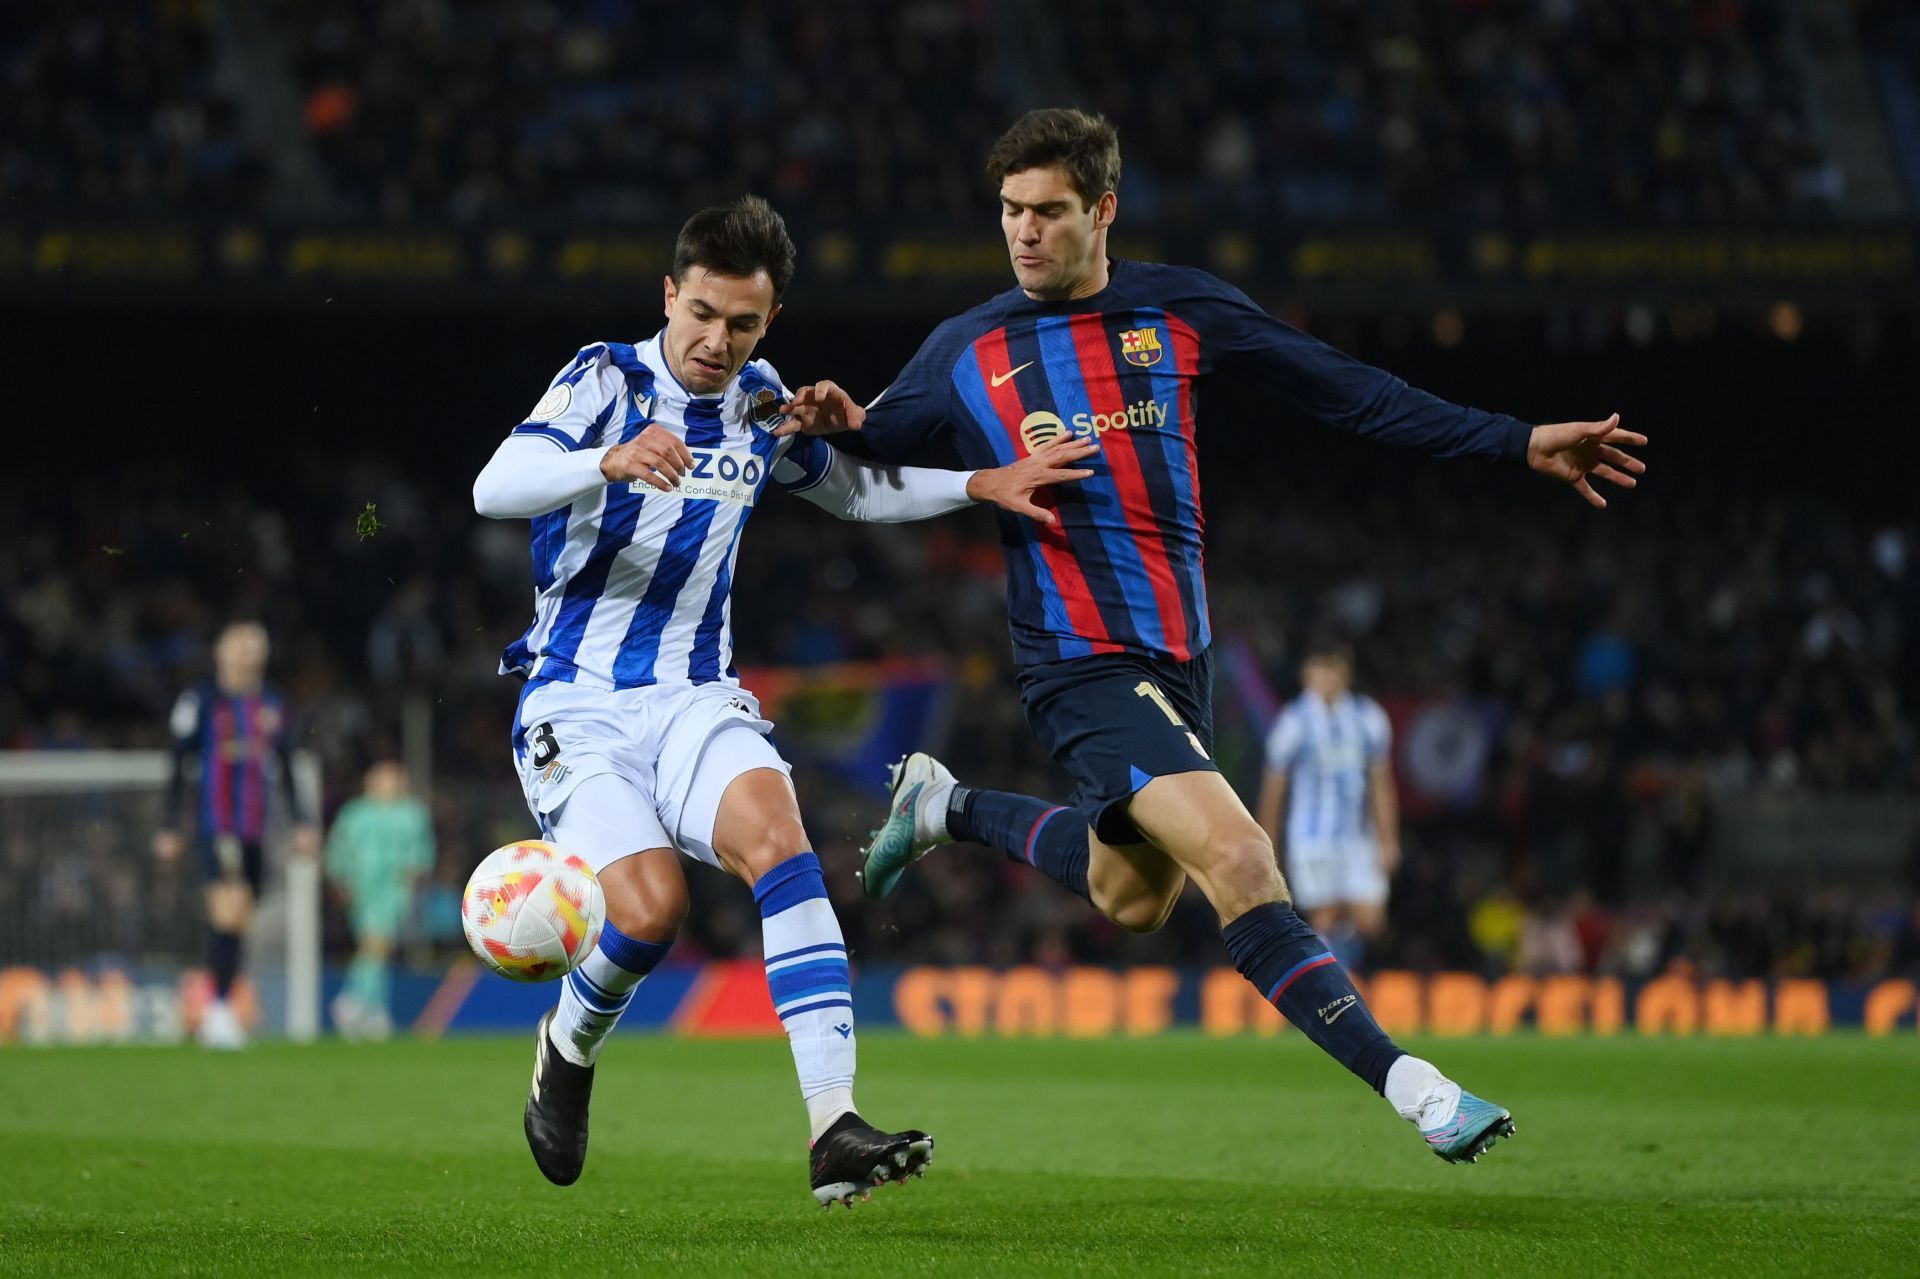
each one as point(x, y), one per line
point(1141, 347)
point(764, 408)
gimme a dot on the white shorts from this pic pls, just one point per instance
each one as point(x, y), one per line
point(608, 773)
point(1330, 872)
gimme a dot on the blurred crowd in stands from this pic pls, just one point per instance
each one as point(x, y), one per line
point(1644, 109)
point(1586, 710)
point(120, 109)
point(1889, 32)
point(624, 111)
point(1616, 693)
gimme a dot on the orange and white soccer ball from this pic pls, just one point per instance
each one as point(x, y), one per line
point(532, 912)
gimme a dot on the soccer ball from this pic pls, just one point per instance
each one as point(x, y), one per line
point(532, 912)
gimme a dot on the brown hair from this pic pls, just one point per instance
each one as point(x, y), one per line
point(737, 240)
point(1328, 648)
point(1083, 143)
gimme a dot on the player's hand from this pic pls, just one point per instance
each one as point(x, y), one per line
point(1011, 488)
point(821, 409)
point(306, 841)
point(1573, 451)
point(1389, 857)
point(656, 456)
point(168, 845)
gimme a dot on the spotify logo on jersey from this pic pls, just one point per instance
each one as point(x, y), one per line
point(1042, 428)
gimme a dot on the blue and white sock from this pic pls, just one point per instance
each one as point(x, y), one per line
point(811, 987)
point(593, 996)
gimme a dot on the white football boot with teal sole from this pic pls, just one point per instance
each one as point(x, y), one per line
point(1465, 1135)
point(916, 822)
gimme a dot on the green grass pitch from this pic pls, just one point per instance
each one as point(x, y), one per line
point(1179, 1155)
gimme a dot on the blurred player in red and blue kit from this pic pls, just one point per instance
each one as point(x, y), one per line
point(236, 728)
point(1106, 595)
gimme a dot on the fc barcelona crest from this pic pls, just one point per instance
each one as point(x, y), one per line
point(1141, 347)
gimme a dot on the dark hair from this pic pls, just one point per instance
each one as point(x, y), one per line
point(1328, 648)
point(1083, 143)
point(737, 240)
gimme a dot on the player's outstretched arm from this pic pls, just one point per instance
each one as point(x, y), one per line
point(854, 489)
point(526, 477)
point(823, 408)
point(1013, 487)
point(1332, 387)
point(1574, 452)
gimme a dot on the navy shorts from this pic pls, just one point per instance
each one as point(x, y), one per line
point(230, 857)
point(1116, 721)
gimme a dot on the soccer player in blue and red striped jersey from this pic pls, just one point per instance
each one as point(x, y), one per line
point(1106, 594)
point(237, 729)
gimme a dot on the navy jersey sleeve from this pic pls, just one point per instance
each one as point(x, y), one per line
point(907, 421)
point(1331, 386)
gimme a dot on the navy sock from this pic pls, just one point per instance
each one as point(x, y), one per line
point(1047, 837)
point(1288, 963)
point(223, 957)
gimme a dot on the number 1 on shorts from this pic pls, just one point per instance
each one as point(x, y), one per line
point(1151, 691)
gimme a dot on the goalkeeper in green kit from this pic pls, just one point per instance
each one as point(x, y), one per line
point(381, 843)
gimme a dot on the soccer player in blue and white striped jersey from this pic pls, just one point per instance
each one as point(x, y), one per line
point(1330, 771)
point(634, 740)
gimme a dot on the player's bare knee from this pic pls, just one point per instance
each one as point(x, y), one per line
point(229, 906)
point(1137, 913)
point(778, 841)
point(1143, 913)
point(1244, 875)
point(646, 897)
point(653, 916)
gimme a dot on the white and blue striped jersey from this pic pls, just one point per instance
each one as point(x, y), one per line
point(632, 586)
point(1326, 750)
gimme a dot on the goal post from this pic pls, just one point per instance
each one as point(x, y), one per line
point(98, 938)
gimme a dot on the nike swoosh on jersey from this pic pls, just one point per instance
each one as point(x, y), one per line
point(999, 378)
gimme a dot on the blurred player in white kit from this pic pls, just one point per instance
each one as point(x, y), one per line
point(1330, 772)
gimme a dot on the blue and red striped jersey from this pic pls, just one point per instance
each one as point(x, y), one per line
point(242, 744)
point(1121, 571)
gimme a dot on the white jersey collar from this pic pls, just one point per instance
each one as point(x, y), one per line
point(654, 352)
